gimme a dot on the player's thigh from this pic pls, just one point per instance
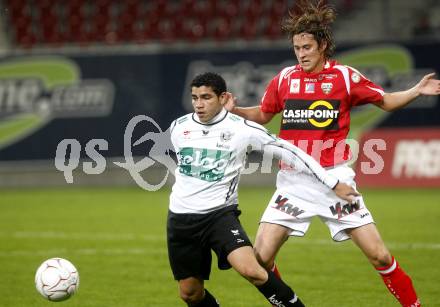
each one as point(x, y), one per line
point(270, 237)
point(368, 239)
point(187, 254)
point(225, 235)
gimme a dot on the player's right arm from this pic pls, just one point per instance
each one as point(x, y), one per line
point(254, 114)
point(263, 113)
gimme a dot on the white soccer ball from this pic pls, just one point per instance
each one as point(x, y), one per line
point(57, 279)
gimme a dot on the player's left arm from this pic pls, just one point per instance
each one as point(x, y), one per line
point(294, 156)
point(396, 100)
point(291, 154)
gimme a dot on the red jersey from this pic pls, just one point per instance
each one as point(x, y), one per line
point(316, 107)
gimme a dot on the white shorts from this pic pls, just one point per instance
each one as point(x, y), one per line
point(299, 197)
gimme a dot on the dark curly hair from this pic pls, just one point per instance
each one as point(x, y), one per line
point(212, 80)
point(315, 19)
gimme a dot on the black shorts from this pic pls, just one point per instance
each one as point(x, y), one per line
point(192, 236)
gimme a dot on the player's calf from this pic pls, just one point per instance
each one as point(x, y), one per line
point(207, 301)
point(278, 293)
point(399, 284)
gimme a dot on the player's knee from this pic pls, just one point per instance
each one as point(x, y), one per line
point(265, 261)
point(381, 257)
point(256, 275)
point(191, 295)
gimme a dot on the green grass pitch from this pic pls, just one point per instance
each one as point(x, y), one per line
point(116, 239)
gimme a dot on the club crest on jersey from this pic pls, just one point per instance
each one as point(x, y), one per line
point(326, 88)
point(225, 136)
point(186, 134)
point(294, 86)
point(205, 132)
point(310, 88)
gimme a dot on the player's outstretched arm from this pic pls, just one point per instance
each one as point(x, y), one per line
point(396, 100)
point(298, 159)
point(250, 113)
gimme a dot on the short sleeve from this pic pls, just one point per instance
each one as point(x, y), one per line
point(364, 91)
point(270, 103)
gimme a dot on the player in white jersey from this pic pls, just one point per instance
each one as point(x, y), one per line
point(211, 146)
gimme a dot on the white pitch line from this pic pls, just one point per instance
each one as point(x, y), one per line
point(391, 245)
point(84, 251)
point(96, 236)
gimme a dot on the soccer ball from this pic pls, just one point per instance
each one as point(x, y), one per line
point(57, 279)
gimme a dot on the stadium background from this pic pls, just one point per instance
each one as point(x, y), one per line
point(83, 69)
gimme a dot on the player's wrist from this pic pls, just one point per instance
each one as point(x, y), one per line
point(336, 184)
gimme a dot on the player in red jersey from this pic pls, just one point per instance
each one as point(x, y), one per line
point(315, 97)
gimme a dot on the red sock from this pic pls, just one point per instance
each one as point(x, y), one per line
point(275, 271)
point(399, 284)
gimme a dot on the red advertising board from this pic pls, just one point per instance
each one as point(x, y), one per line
point(399, 158)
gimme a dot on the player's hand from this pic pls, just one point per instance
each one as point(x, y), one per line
point(428, 85)
point(230, 102)
point(346, 192)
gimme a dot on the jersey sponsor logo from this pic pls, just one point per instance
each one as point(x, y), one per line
point(310, 115)
point(344, 210)
point(202, 163)
point(327, 77)
point(294, 86)
point(283, 206)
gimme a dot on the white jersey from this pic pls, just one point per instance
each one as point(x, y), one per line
point(211, 156)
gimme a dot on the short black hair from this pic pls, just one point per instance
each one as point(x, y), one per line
point(212, 80)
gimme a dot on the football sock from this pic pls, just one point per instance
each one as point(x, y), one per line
point(399, 284)
point(275, 271)
point(278, 293)
point(208, 301)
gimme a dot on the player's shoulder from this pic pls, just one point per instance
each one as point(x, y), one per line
point(234, 119)
point(349, 72)
point(241, 124)
point(180, 122)
point(288, 72)
point(254, 128)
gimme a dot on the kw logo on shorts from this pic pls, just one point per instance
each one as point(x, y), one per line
point(284, 206)
point(310, 115)
point(344, 210)
point(205, 164)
